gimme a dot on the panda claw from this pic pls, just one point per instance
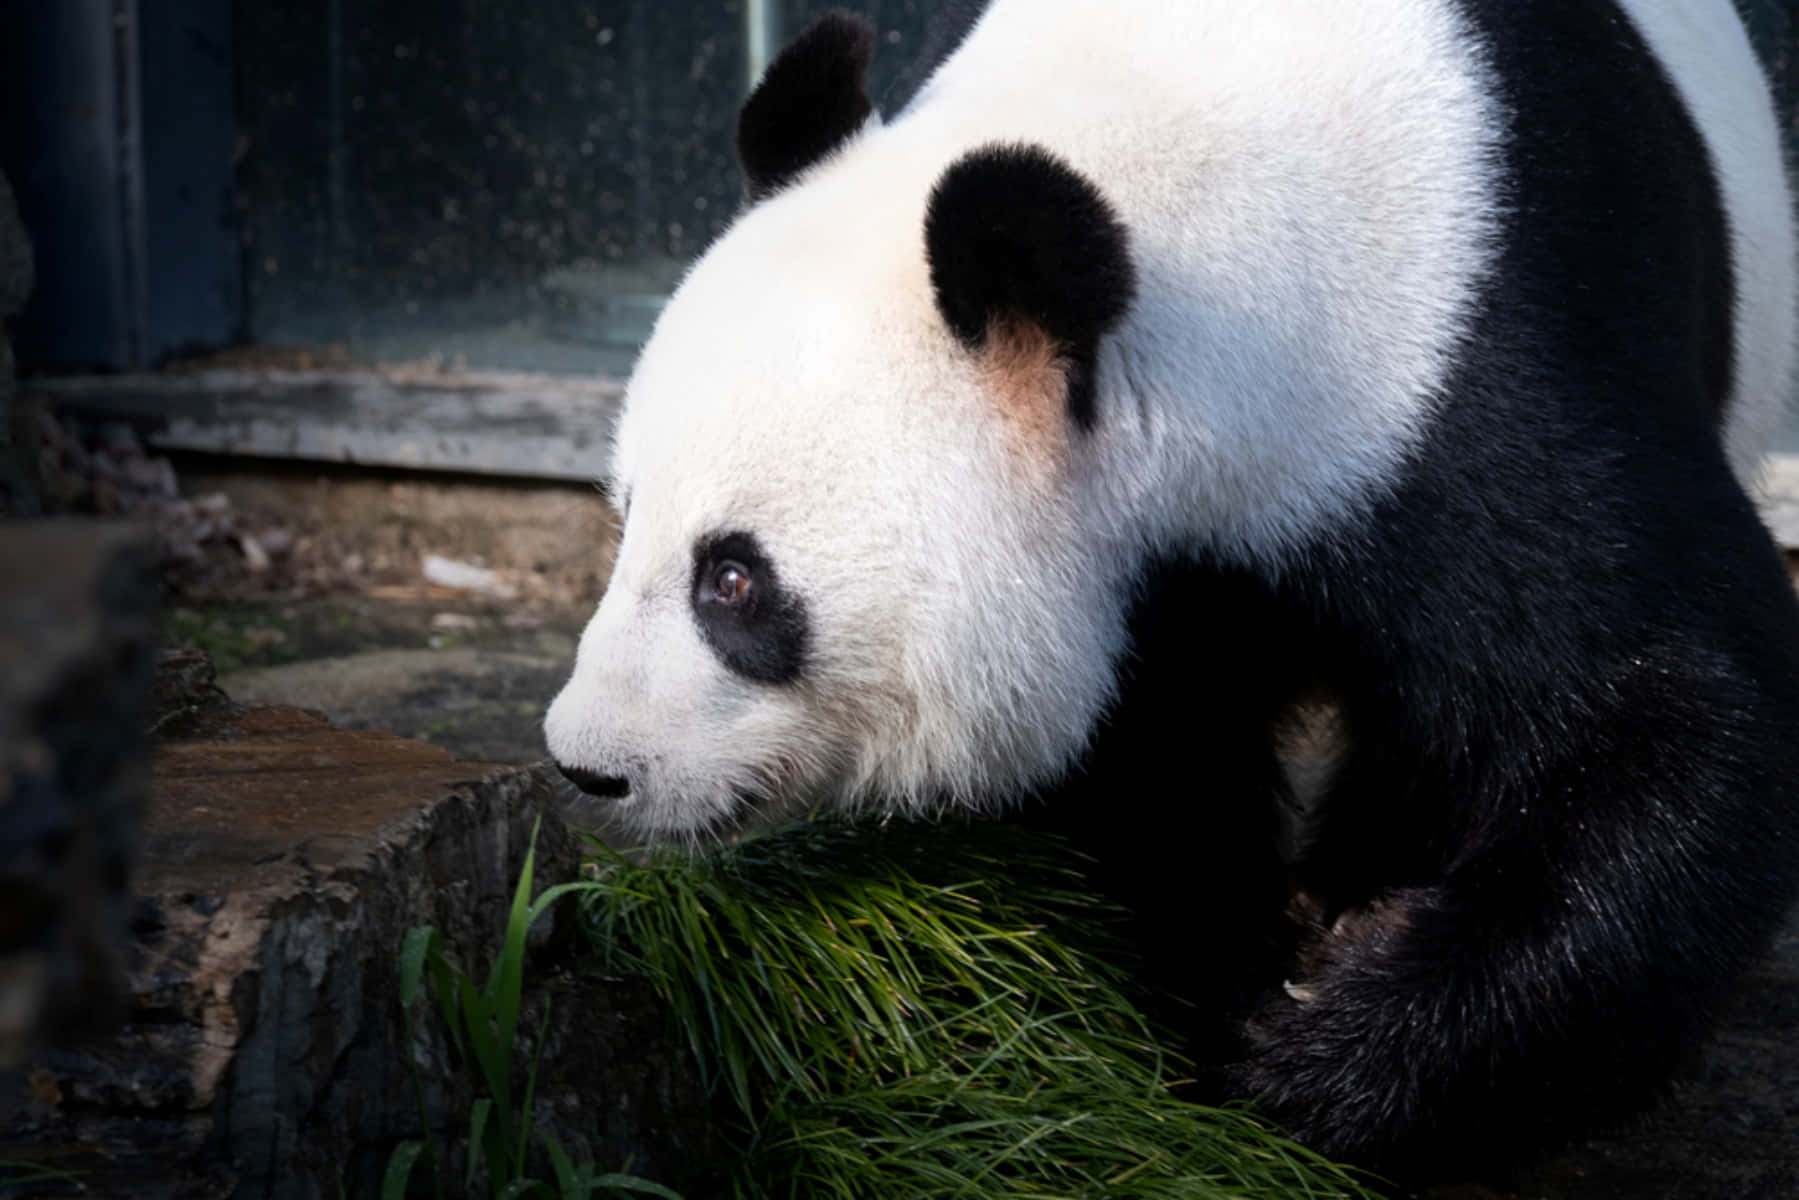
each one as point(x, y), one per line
point(1304, 995)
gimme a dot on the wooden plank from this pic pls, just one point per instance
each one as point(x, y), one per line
point(489, 423)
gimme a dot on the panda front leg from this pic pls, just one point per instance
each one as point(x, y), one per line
point(1199, 873)
point(1569, 951)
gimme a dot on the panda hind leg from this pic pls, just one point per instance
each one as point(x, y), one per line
point(1547, 980)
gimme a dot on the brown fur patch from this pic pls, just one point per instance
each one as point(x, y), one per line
point(1023, 370)
point(1311, 740)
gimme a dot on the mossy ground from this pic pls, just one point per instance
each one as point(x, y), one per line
point(469, 677)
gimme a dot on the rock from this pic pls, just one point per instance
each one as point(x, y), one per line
point(465, 577)
point(255, 557)
point(151, 477)
point(265, 1053)
point(77, 624)
point(487, 703)
point(187, 701)
point(277, 543)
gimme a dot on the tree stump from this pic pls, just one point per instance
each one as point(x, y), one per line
point(264, 1052)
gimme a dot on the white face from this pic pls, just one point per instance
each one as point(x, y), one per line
point(850, 570)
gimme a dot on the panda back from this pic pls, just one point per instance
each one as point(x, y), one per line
point(1343, 213)
point(1705, 52)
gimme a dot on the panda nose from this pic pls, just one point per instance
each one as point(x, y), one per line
point(606, 787)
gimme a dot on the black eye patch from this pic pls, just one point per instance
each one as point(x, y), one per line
point(757, 627)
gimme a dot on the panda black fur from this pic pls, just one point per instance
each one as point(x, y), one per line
point(1387, 565)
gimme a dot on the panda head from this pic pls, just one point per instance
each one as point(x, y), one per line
point(856, 565)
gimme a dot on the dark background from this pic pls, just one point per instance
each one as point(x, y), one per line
point(512, 185)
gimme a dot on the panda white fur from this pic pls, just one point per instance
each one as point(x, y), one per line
point(1178, 412)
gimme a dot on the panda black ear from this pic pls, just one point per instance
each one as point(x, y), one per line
point(1012, 234)
point(811, 100)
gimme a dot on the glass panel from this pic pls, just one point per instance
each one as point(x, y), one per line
point(518, 185)
point(508, 185)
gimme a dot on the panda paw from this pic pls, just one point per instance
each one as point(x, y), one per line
point(1334, 1055)
point(1298, 992)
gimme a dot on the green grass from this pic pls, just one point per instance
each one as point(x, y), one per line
point(234, 638)
point(482, 1022)
point(17, 1175)
point(905, 1011)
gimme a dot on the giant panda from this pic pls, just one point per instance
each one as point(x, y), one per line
point(1297, 448)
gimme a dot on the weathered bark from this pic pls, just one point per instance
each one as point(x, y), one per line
point(264, 1054)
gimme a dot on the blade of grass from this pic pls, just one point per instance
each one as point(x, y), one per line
point(399, 1170)
point(478, 1114)
point(613, 1181)
point(421, 944)
point(858, 993)
point(443, 986)
point(492, 1056)
point(524, 1109)
point(569, 1184)
point(420, 941)
point(505, 982)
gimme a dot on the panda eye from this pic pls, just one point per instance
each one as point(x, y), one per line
point(731, 584)
point(746, 610)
